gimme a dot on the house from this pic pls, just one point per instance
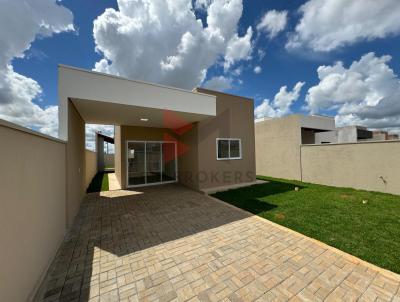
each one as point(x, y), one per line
point(202, 139)
point(278, 141)
point(347, 134)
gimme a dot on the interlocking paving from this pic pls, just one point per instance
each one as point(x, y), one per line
point(168, 243)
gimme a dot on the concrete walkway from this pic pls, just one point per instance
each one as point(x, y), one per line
point(113, 183)
point(168, 243)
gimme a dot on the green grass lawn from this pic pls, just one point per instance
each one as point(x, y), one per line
point(99, 183)
point(369, 230)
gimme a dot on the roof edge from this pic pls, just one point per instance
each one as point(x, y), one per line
point(132, 80)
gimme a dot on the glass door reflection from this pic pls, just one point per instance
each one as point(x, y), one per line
point(136, 163)
point(153, 162)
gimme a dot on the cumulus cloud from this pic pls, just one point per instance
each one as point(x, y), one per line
point(366, 93)
point(22, 22)
point(281, 103)
point(329, 24)
point(163, 41)
point(273, 22)
point(239, 48)
point(257, 70)
point(219, 83)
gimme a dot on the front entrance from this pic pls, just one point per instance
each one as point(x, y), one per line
point(151, 162)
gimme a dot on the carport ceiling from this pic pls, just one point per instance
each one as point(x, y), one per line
point(100, 112)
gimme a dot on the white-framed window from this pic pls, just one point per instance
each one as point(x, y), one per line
point(229, 148)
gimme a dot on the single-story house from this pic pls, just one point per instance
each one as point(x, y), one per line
point(202, 139)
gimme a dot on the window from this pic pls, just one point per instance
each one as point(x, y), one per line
point(229, 148)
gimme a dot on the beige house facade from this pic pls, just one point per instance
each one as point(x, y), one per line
point(202, 139)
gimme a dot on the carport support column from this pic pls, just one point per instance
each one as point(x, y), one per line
point(100, 152)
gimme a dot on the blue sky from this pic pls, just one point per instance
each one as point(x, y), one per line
point(323, 40)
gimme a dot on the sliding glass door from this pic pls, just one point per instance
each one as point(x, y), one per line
point(136, 163)
point(151, 162)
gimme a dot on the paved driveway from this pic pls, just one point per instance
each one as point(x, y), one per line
point(169, 243)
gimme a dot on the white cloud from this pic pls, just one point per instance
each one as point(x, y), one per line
point(22, 22)
point(219, 83)
point(257, 70)
point(239, 48)
point(366, 93)
point(273, 22)
point(163, 41)
point(329, 24)
point(281, 104)
point(260, 54)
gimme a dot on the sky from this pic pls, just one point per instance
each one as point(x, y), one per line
point(332, 57)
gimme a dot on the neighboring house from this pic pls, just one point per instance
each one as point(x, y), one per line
point(105, 160)
point(312, 149)
point(348, 134)
point(278, 142)
point(203, 139)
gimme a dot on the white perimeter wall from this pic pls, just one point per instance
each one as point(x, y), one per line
point(32, 208)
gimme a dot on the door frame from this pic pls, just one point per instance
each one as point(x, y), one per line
point(145, 163)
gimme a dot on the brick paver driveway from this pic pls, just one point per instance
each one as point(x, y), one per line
point(170, 243)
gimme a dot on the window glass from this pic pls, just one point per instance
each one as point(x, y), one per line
point(234, 148)
point(223, 148)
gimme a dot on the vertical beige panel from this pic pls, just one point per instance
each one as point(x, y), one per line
point(188, 157)
point(75, 163)
point(118, 154)
point(91, 166)
point(32, 209)
point(278, 147)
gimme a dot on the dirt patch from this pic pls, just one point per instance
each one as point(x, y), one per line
point(280, 216)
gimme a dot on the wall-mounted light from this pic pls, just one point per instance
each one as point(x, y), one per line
point(144, 119)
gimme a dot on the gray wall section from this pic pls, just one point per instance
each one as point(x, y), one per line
point(32, 208)
point(76, 165)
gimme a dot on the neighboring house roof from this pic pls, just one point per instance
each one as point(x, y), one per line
point(107, 139)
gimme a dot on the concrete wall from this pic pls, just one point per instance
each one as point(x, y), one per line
point(100, 152)
point(359, 166)
point(108, 160)
point(278, 147)
point(118, 154)
point(188, 157)
point(90, 166)
point(347, 135)
point(235, 119)
point(75, 163)
point(326, 137)
point(32, 208)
